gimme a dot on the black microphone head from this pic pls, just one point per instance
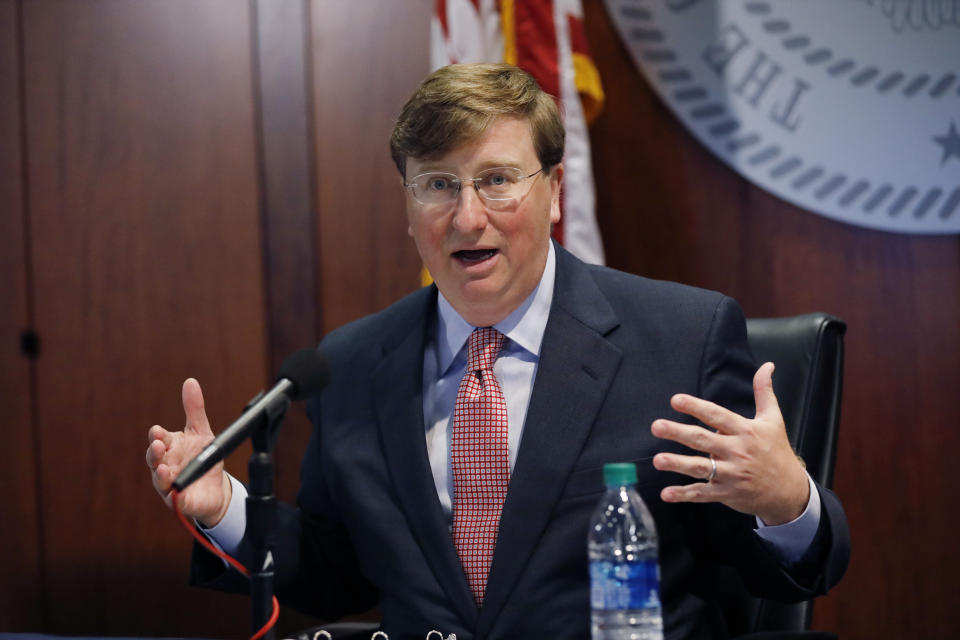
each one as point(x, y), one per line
point(308, 370)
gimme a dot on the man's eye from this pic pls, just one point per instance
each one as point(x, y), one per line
point(438, 184)
point(498, 180)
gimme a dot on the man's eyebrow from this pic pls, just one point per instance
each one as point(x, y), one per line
point(430, 166)
point(439, 167)
point(492, 164)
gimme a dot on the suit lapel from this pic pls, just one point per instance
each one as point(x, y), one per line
point(576, 368)
point(398, 393)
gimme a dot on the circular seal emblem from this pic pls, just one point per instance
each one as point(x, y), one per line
point(848, 109)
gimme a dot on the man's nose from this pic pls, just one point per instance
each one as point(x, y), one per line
point(470, 213)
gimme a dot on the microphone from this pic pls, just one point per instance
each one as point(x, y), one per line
point(302, 374)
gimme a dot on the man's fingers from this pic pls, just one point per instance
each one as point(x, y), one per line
point(694, 492)
point(694, 466)
point(156, 432)
point(168, 496)
point(193, 408)
point(155, 453)
point(693, 436)
point(162, 478)
point(763, 391)
point(707, 412)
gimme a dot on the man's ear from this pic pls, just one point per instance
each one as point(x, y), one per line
point(556, 184)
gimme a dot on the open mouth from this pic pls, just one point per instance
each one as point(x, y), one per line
point(472, 256)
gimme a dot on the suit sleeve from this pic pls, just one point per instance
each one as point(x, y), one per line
point(316, 571)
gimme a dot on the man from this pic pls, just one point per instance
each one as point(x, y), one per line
point(404, 505)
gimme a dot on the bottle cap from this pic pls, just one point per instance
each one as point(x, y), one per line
point(616, 474)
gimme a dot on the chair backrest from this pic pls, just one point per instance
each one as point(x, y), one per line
point(808, 353)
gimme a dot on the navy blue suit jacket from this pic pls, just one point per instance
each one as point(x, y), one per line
point(369, 530)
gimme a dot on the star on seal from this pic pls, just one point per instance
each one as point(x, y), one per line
point(950, 143)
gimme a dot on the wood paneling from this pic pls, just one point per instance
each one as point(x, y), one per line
point(21, 586)
point(289, 216)
point(147, 259)
point(285, 124)
point(282, 75)
point(366, 63)
point(669, 209)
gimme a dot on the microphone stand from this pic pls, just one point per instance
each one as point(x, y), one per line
point(304, 372)
point(261, 512)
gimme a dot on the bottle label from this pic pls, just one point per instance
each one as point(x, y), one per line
point(624, 585)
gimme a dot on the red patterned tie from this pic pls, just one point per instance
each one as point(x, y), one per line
point(478, 451)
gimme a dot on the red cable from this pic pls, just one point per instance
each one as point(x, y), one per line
point(174, 495)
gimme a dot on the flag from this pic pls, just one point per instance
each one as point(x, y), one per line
point(546, 38)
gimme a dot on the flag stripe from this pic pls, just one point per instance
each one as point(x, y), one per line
point(536, 35)
point(508, 25)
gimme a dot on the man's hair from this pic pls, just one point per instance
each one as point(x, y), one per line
point(454, 105)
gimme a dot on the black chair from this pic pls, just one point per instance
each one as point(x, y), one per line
point(808, 353)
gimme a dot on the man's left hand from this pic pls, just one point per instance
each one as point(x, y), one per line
point(757, 470)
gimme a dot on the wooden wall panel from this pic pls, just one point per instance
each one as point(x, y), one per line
point(21, 586)
point(283, 92)
point(366, 63)
point(147, 256)
point(669, 209)
point(289, 213)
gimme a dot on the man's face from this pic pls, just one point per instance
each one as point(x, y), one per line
point(486, 261)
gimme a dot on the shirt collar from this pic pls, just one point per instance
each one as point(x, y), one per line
point(524, 326)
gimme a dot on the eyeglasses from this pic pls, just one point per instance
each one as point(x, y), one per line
point(499, 187)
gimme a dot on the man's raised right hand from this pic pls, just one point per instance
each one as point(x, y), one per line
point(206, 499)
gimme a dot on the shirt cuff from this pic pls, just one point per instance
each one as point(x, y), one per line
point(228, 533)
point(792, 539)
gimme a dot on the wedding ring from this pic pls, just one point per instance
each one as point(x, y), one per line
point(713, 470)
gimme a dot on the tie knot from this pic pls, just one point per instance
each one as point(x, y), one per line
point(483, 347)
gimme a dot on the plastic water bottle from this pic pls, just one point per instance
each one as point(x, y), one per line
point(624, 572)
